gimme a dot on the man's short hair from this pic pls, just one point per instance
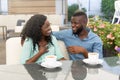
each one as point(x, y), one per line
point(80, 13)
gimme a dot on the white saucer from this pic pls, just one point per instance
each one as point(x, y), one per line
point(88, 61)
point(51, 65)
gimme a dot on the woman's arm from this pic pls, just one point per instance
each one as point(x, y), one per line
point(42, 50)
point(27, 55)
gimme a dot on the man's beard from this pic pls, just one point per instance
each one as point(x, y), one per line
point(79, 30)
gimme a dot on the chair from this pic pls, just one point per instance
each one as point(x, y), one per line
point(63, 49)
point(19, 26)
point(19, 22)
point(116, 17)
point(18, 29)
point(14, 48)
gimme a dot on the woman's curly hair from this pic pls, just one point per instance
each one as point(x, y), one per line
point(32, 29)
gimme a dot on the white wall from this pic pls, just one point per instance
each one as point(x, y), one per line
point(60, 9)
point(95, 7)
point(92, 6)
point(11, 20)
point(4, 6)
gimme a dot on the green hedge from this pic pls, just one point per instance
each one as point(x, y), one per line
point(107, 8)
point(109, 33)
point(71, 10)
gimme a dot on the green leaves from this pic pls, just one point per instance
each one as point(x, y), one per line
point(109, 33)
point(71, 10)
point(108, 9)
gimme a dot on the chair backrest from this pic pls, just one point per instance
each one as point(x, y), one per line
point(20, 25)
point(19, 22)
point(18, 29)
point(63, 49)
point(116, 17)
point(14, 48)
point(117, 5)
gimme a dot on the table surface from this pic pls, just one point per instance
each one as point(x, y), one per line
point(70, 70)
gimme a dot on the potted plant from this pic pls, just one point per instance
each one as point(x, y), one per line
point(109, 33)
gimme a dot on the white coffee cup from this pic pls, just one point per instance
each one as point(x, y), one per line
point(50, 58)
point(93, 56)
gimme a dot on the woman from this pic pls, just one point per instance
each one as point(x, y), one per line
point(37, 40)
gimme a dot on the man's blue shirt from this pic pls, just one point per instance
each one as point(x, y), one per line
point(92, 42)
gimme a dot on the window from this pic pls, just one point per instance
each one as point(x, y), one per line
point(3, 7)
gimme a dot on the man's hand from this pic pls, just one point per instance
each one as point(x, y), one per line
point(74, 49)
point(77, 50)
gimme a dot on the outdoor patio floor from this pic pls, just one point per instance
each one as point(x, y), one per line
point(2, 51)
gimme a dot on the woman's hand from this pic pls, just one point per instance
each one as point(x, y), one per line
point(43, 50)
point(43, 47)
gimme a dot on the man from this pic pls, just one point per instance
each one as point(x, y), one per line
point(80, 40)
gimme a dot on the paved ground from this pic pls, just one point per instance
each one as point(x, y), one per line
point(2, 51)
